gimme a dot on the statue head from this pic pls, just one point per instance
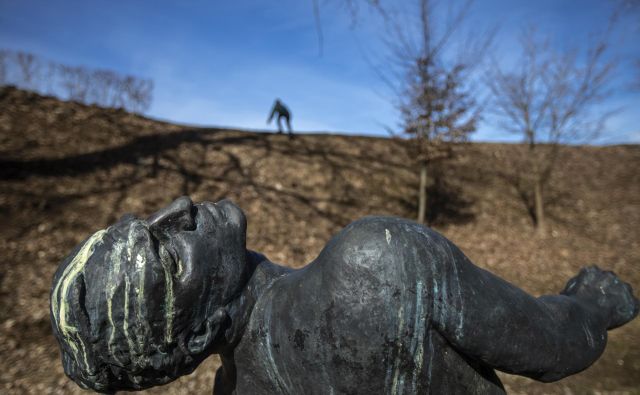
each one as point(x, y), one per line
point(144, 301)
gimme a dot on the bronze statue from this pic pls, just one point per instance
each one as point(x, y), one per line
point(389, 306)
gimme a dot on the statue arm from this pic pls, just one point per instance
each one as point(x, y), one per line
point(545, 338)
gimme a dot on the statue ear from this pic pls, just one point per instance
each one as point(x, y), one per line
point(202, 337)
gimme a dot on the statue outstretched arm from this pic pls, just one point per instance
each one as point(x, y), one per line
point(545, 338)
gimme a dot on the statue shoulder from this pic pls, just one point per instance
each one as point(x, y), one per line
point(384, 232)
point(375, 238)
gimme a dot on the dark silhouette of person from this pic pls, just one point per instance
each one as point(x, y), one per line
point(388, 306)
point(281, 111)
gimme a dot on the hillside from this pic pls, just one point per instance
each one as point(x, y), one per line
point(67, 170)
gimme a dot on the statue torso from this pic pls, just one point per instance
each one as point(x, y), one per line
point(357, 320)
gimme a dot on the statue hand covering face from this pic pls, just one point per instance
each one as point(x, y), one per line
point(389, 306)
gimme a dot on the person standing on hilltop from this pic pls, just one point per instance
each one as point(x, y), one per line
point(283, 112)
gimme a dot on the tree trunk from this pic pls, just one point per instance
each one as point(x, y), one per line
point(539, 206)
point(422, 204)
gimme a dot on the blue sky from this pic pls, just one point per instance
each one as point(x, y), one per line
point(223, 63)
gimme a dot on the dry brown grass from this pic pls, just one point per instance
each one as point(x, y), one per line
point(67, 170)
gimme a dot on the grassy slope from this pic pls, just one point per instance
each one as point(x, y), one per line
point(67, 170)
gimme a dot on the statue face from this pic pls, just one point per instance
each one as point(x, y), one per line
point(148, 294)
point(203, 248)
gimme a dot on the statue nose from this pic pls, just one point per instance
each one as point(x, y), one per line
point(176, 216)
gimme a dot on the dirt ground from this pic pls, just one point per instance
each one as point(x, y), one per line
point(67, 170)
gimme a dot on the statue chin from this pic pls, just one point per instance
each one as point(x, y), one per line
point(209, 333)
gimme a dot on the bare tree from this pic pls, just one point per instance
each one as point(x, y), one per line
point(4, 66)
point(136, 93)
point(435, 97)
point(106, 88)
point(49, 76)
point(550, 98)
point(102, 87)
point(28, 65)
point(351, 6)
point(76, 82)
point(437, 113)
point(629, 9)
point(142, 95)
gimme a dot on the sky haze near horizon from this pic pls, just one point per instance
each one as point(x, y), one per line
point(224, 63)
